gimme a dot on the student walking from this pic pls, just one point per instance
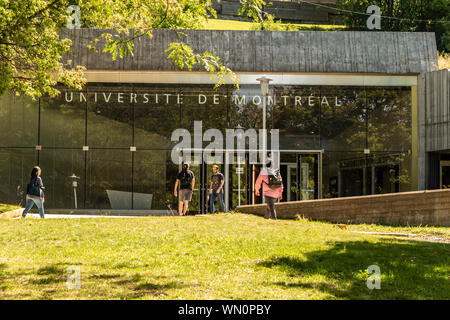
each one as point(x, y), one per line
point(35, 193)
point(186, 181)
point(216, 190)
point(272, 183)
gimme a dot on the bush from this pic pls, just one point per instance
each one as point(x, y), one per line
point(408, 13)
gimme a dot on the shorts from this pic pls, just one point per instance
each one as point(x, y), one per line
point(185, 195)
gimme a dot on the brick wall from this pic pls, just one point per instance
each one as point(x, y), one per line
point(407, 208)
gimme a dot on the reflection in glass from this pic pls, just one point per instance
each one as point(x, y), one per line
point(156, 116)
point(109, 124)
point(154, 177)
point(15, 168)
point(57, 166)
point(355, 174)
point(18, 121)
point(108, 170)
point(109, 118)
point(63, 123)
point(343, 121)
point(389, 119)
point(296, 113)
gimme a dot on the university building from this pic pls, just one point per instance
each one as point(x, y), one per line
point(358, 113)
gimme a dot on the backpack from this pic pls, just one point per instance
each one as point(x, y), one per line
point(33, 188)
point(275, 180)
point(186, 179)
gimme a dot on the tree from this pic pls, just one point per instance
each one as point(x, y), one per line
point(31, 49)
point(405, 15)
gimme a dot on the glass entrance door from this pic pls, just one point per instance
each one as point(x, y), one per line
point(239, 182)
point(206, 180)
point(301, 176)
point(300, 172)
point(308, 177)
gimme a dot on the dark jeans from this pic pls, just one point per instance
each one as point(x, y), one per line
point(212, 201)
point(270, 213)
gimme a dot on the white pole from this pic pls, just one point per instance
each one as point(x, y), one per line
point(75, 196)
point(239, 184)
point(264, 130)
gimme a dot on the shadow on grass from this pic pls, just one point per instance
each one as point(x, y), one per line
point(409, 270)
point(139, 286)
point(49, 282)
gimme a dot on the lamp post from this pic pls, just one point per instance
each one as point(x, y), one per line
point(238, 168)
point(264, 82)
point(75, 185)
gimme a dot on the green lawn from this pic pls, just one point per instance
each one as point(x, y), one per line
point(218, 24)
point(227, 256)
point(7, 207)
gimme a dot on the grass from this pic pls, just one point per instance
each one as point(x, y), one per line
point(226, 256)
point(219, 24)
point(7, 207)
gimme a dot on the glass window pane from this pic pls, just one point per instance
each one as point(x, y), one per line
point(389, 118)
point(154, 180)
point(108, 179)
point(206, 104)
point(109, 116)
point(15, 168)
point(296, 113)
point(57, 166)
point(156, 116)
point(19, 117)
point(343, 123)
point(63, 120)
point(343, 174)
point(245, 107)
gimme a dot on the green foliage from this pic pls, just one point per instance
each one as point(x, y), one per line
point(31, 50)
point(409, 15)
point(183, 56)
point(269, 23)
point(218, 24)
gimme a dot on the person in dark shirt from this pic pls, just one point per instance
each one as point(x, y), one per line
point(35, 193)
point(216, 190)
point(186, 181)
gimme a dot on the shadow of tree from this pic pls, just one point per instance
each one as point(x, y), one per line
point(409, 270)
point(50, 270)
point(51, 279)
point(139, 286)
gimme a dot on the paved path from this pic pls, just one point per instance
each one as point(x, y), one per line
point(72, 216)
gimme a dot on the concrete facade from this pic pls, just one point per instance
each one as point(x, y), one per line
point(409, 208)
point(272, 51)
point(434, 124)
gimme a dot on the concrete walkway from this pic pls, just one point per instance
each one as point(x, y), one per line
point(71, 216)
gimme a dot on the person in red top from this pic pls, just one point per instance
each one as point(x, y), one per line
point(270, 195)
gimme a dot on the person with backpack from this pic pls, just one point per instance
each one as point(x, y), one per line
point(216, 190)
point(35, 193)
point(186, 181)
point(272, 183)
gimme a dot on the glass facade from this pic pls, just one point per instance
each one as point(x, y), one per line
point(342, 121)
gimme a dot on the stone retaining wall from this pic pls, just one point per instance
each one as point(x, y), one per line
point(408, 208)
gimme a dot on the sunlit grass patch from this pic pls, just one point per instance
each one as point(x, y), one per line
point(225, 256)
